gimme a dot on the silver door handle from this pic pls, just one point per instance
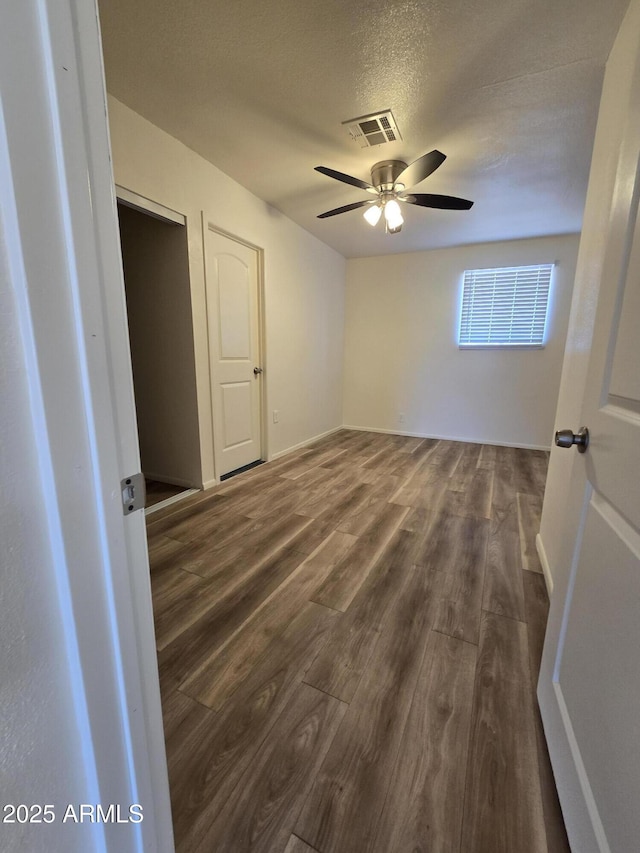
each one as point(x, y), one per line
point(257, 371)
point(567, 438)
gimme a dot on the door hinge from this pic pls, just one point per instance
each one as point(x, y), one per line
point(134, 493)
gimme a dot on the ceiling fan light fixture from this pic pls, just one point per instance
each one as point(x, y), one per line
point(393, 215)
point(392, 182)
point(372, 214)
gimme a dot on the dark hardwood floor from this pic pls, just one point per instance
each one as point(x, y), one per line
point(349, 640)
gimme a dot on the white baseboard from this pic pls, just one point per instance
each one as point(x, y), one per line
point(305, 443)
point(548, 577)
point(149, 510)
point(209, 484)
point(448, 437)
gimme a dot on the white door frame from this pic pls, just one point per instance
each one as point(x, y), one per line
point(208, 225)
point(73, 316)
point(146, 205)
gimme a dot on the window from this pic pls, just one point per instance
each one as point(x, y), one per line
point(505, 307)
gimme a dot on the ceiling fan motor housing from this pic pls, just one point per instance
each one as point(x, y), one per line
point(384, 174)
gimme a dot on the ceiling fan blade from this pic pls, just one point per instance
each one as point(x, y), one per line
point(346, 179)
point(345, 209)
point(421, 168)
point(442, 202)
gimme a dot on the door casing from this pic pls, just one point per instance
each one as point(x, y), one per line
point(55, 117)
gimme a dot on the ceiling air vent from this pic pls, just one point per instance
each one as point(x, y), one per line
point(374, 129)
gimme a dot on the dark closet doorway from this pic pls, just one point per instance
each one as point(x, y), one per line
point(156, 275)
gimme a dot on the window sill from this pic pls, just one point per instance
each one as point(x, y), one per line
point(501, 346)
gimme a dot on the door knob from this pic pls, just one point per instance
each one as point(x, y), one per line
point(567, 438)
point(257, 371)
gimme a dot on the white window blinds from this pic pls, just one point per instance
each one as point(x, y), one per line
point(505, 307)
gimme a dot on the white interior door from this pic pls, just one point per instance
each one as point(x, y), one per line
point(589, 688)
point(234, 351)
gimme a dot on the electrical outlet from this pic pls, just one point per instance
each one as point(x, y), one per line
point(276, 416)
point(401, 418)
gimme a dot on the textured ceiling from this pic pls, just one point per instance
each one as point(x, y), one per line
point(509, 91)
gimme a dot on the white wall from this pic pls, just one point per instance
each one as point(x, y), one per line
point(401, 354)
point(304, 281)
point(558, 527)
point(156, 277)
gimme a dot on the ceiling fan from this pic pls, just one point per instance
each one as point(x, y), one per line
point(390, 180)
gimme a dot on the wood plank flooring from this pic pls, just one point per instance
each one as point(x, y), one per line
point(349, 640)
